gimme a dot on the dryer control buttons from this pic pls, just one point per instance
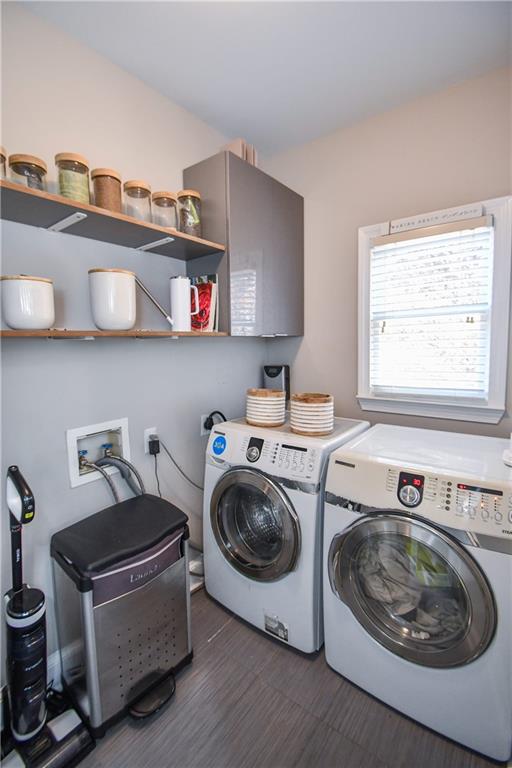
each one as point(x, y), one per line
point(410, 489)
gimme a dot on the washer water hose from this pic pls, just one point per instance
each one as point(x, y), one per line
point(126, 468)
point(106, 476)
point(111, 461)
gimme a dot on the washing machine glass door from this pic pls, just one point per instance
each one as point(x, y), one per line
point(255, 524)
point(414, 589)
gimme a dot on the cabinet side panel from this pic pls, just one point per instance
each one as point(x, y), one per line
point(209, 178)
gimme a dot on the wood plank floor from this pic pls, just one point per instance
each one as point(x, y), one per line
point(248, 701)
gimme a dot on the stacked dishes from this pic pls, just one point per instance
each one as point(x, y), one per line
point(265, 407)
point(312, 413)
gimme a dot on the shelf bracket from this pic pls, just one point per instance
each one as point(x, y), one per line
point(164, 338)
point(155, 244)
point(74, 218)
point(70, 338)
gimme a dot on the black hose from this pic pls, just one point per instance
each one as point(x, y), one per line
point(135, 472)
point(115, 461)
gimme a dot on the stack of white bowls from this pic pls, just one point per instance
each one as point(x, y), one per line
point(265, 407)
point(312, 413)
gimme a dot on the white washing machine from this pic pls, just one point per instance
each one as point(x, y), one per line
point(418, 578)
point(262, 525)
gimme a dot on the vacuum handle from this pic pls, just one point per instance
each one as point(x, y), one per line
point(21, 505)
point(20, 499)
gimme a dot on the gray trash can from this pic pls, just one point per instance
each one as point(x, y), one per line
point(123, 605)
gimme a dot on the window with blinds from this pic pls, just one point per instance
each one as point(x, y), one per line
point(430, 300)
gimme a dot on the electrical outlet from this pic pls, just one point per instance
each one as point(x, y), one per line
point(202, 430)
point(147, 433)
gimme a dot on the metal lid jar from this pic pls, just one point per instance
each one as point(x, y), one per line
point(137, 199)
point(107, 189)
point(165, 209)
point(73, 175)
point(190, 211)
point(28, 170)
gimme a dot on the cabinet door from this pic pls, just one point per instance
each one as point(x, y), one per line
point(261, 283)
point(250, 230)
point(284, 300)
point(266, 248)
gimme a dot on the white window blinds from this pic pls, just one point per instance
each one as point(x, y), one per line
point(430, 310)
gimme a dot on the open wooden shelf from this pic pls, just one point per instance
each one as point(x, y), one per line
point(64, 333)
point(42, 209)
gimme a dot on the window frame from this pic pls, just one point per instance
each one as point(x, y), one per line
point(489, 410)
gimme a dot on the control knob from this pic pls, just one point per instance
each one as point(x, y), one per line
point(253, 453)
point(409, 495)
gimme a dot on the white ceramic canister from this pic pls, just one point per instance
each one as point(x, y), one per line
point(181, 310)
point(28, 302)
point(113, 303)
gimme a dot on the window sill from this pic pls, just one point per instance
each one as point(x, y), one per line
point(457, 411)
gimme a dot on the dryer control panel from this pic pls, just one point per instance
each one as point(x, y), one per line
point(455, 503)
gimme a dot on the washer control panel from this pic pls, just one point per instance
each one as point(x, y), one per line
point(450, 500)
point(298, 460)
point(278, 458)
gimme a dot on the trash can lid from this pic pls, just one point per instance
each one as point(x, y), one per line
point(117, 533)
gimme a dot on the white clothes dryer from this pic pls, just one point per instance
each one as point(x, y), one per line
point(262, 525)
point(418, 578)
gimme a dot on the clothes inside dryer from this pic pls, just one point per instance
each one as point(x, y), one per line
point(413, 585)
point(414, 589)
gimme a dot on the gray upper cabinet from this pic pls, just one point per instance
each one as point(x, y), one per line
point(261, 276)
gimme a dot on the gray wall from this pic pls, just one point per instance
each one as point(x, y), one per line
point(52, 385)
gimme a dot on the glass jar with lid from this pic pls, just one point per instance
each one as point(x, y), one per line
point(28, 170)
point(2, 162)
point(190, 211)
point(137, 199)
point(107, 189)
point(165, 206)
point(73, 175)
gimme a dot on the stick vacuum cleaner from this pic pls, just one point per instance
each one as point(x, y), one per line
point(39, 740)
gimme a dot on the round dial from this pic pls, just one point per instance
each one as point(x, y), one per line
point(253, 453)
point(409, 495)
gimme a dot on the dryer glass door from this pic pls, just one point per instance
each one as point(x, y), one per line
point(414, 589)
point(255, 524)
